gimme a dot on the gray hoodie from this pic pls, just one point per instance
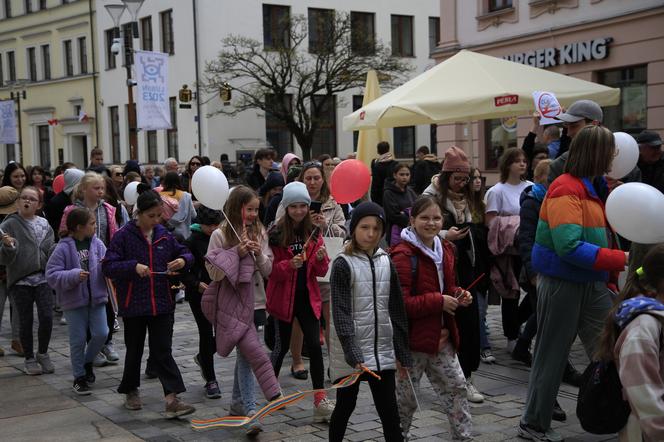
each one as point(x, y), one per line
point(26, 257)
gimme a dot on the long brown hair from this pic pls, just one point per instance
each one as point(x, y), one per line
point(287, 232)
point(509, 157)
point(648, 284)
point(444, 188)
point(239, 197)
point(324, 190)
point(591, 152)
point(476, 199)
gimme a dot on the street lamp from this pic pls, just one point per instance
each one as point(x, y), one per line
point(17, 94)
point(116, 11)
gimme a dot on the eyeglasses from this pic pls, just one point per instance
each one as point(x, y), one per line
point(460, 179)
point(27, 199)
point(117, 174)
point(195, 163)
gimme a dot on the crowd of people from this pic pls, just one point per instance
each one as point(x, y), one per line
point(393, 286)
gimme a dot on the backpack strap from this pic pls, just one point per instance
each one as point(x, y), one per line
point(413, 273)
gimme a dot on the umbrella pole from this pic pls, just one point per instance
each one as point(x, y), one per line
point(469, 137)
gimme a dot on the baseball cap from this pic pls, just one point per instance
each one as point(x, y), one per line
point(582, 109)
point(650, 138)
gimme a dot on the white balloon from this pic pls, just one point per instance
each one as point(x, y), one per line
point(131, 193)
point(627, 155)
point(635, 210)
point(210, 187)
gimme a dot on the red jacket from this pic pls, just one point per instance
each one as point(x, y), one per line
point(425, 307)
point(283, 280)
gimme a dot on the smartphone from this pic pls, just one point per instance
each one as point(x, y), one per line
point(463, 226)
point(315, 206)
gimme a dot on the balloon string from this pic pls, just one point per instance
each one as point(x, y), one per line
point(235, 231)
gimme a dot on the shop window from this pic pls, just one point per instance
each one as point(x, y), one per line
point(276, 22)
point(325, 137)
point(631, 114)
point(404, 142)
point(402, 36)
point(499, 135)
point(362, 33)
point(434, 33)
point(277, 133)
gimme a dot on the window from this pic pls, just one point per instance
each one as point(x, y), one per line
point(28, 6)
point(44, 147)
point(321, 27)
point(10, 152)
point(362, 33)
point(433, 139)
point(110, 56)
point(276, 132)
point(11, 65)
point(69, 59)
point(434, 33)
point(151, 141)
point(146, 33)
point(32, 64)
point(172, 133)
point(402, 36)
point(8, 8)
point(404, 142)
point(46, 61)
point(630, 115)
point(2, 74)
point(83, 55)
point(42, 5)
point(357, 103)
point(167, 42)
point(325, 137)
point(499, 135)
point(276, 23)
point(497, 5)
point(128, 55)
point(114, 124)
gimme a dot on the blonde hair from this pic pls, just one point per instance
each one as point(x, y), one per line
point(89, 179)
point(541, 172)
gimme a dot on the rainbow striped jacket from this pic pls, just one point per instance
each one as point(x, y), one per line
point(573, 239)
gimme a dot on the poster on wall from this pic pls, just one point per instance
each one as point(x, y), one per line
point(152, 104)
point(8, 132)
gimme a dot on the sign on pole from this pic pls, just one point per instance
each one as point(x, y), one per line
point(152, 106)
point(8, 132)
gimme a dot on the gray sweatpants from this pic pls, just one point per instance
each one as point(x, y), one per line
point(564, 309)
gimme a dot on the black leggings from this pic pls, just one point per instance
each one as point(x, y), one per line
point(206, 341)
point(25, 297)
point(468, 323)
point(385, 401)
point(311, 329)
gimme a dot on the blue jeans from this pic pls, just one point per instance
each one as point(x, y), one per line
point(79, 320)
point(244, 390)
point(482, 299)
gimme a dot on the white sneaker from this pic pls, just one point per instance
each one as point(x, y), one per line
point(511, 343)
point(323, 412)
point(110, 353)
point(100, 360)
point(63, 320)
point(472, 394)
point(487, 356)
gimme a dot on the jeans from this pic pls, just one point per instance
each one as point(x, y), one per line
point(25, 297)
point(244, 383)
point(13, 314)
point(483, 304)
point(79, 321)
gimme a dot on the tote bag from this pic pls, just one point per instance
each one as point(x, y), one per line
point(334, 246)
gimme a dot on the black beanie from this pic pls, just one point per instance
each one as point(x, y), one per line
point(207, 216)
point(366, 208)
point(274, 179)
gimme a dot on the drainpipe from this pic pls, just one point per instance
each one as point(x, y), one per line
point(94, 75)
point(198, 90)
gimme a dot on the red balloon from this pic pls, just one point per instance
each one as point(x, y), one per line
point(59, 183)
point(350, 180)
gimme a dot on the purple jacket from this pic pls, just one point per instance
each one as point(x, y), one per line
point(229, 304)
point(63, 270)
point(138, 296)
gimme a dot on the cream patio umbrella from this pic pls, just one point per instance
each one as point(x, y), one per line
point(471, 86)
point(369, 138)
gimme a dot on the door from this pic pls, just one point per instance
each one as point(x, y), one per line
point(79, 151)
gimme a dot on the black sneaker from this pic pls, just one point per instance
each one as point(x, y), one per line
point(81, 387)
point(572, 376)
point(521, 353)
point(90, 377)
point(212, 390)
point(558, 413)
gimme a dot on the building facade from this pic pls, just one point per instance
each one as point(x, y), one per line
point(194, 30)
point(612, 42)
point(47, 50)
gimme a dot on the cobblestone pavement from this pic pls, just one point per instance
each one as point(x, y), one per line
point(504, 385)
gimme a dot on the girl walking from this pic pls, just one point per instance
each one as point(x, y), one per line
point(237, 267)
point(27, 243)
point(74, 272)
point(398, 198)
point(426, 268)
point(370, 323)
point(293, 291)
point(139, 259)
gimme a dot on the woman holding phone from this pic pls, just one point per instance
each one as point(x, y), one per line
point(453, 194)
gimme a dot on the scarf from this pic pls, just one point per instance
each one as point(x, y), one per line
point(436, 254)
point(384, 157)
point(460, 203)
point(631, 308)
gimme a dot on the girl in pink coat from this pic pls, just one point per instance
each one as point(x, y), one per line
point(293, 292)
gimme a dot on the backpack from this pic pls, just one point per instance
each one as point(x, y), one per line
point(600, 407)
point(169, 208)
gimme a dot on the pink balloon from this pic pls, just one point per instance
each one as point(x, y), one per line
point(59, 183)
point(350, 180)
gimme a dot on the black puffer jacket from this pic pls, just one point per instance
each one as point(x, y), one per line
point(531, 202)
point(198, 245)
point(395, 202)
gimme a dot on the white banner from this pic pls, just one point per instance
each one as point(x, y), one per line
point(547, 107)
point(8, 132)
point(152, 107)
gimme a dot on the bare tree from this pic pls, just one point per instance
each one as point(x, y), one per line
point(294, 83)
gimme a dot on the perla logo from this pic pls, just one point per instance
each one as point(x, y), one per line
point(571, 53)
